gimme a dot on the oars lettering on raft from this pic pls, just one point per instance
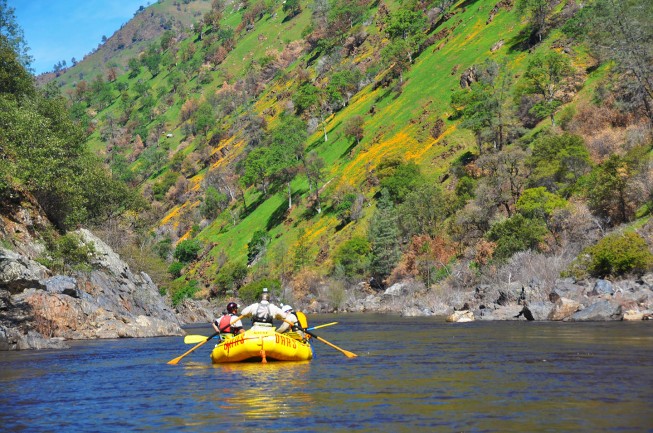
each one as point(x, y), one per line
point(194, 339)
point(179, 358)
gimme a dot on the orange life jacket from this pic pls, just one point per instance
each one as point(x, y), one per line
point(225, 324)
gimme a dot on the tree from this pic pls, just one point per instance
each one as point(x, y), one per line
point(515, 234)
point(257, 168)
point(407, 25)
point(352, 257)
point(354, 128)
point(12, 35)
point(292, 8)
point(610, 191)
point(621, 31)
point(257, 246)
point(186, 250)
point(423, 211)
point(134, 66)
point(558, 162)
point(342, 85)
point(505, 177)
point(399, 180)
point(538, 12)
point(214, 202)
point(384, 237)
point(287, 150)
point(545, 77)
point(485, 105)
point(314, 168)
point(15, 80)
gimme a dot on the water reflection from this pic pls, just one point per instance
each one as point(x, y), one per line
point(267, 391)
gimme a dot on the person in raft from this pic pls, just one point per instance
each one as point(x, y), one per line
point(263, 313)
point(291, 317)
point(223, 325)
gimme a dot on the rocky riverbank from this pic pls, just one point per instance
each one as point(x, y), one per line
point(39, 309)
point(568, 300)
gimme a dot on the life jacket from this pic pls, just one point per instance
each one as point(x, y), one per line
point(262, 314)
point(225, 324)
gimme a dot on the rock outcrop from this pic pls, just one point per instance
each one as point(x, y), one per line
point(41, 310)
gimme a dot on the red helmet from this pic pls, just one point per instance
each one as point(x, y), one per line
point(231, 306)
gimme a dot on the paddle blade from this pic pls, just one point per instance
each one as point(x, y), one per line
point(303, 321)
point(194, 339)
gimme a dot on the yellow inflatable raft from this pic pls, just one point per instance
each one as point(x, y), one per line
point(262, 345)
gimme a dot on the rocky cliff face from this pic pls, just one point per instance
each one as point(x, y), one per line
point(39, 309)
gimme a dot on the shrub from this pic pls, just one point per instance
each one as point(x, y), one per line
point(187, 250)
point(188, 290)
point(516, 234)
point(352, 256)
point(616, 255)
point(175, 269)
point(230, 277)
point(251, 292)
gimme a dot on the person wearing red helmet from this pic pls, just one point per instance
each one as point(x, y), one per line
point(223, 325)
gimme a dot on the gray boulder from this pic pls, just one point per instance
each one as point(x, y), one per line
point(599, 312)
point(18, 273)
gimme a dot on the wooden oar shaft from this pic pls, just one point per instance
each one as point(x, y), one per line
point(347, 353)
point(179, 358)
point(321, 326)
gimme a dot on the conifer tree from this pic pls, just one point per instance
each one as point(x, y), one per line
point(384, 237)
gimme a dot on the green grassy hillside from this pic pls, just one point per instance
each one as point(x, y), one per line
point(196, 110)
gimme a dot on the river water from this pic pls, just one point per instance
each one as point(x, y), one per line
point(411, 375)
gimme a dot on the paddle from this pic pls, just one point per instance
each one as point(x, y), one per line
point(347, 353)
point(179, 358)
point(321, 326)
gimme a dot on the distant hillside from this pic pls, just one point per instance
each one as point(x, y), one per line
point(304, 145)
point(133, 37)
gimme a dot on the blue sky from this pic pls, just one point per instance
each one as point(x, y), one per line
point(58, 30)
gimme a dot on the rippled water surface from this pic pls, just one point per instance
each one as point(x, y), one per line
point(412, 375)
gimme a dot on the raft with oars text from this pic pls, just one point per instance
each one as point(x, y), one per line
point(262, 345)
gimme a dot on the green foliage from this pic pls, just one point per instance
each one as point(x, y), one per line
point(616, 255)
point(67, 252)
point(352, 257)
point(187, 250)
point(384, 237)
point(251, 292)
point(175, 269)
point(230, 277)
point(49, 160)
point(292, 7)
point(179, 293)
point(423, 211)
point(538, 203)
point(214, 202)
point(404, 178)
point(163, 185)
point(485, 106)
point(610, 192)
point(515, 234)
point(545, 75)
point(558, 162)
point(306, 98)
